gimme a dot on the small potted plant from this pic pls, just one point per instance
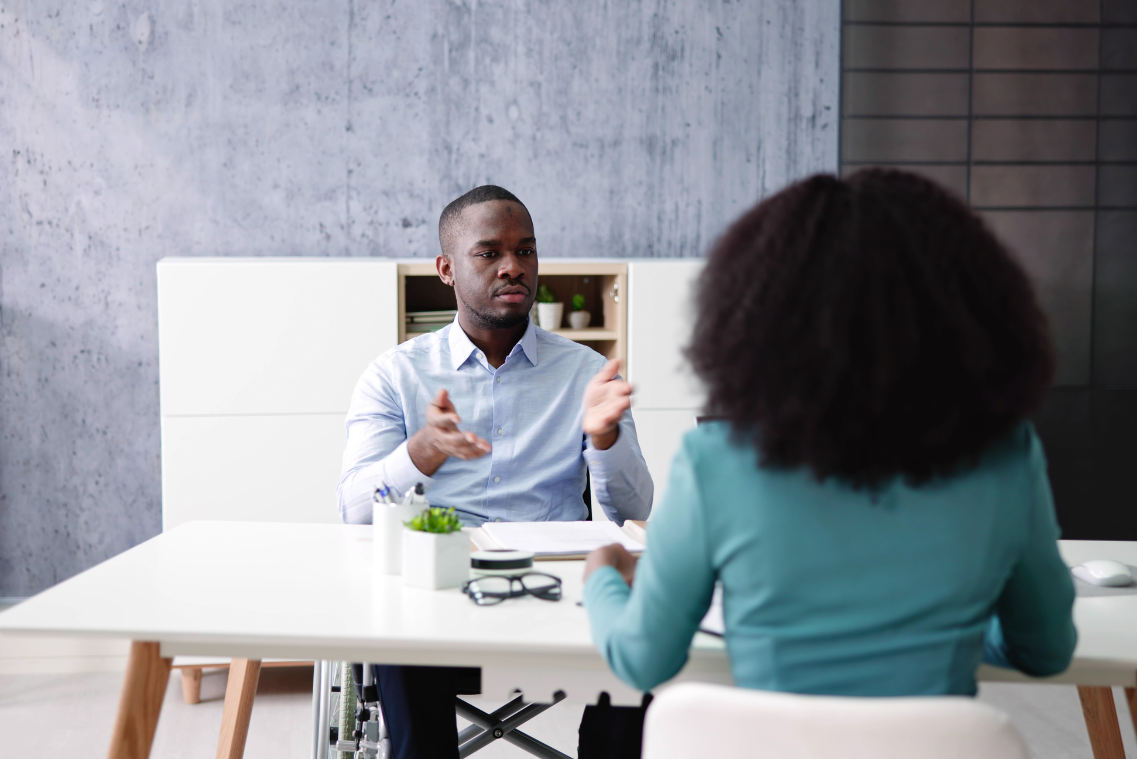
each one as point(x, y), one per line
point(549, 312)
point(579, 318)
point(436, 553)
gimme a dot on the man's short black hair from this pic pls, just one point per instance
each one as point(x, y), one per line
point(447, 222)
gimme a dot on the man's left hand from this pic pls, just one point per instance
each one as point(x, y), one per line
point(605, 400)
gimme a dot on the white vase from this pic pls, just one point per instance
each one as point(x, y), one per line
point(435, 561)
point(580, 319)
point(549, 315)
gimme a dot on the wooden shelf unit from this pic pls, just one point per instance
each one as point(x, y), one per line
point(604, 287)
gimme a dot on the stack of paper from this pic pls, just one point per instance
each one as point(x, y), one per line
point(553, 539)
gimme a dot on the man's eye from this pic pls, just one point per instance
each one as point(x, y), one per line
point(526, 252)
point(487, 254)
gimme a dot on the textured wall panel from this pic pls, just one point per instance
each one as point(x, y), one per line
point(889, 94)
point(1033, 140)
point(147, 129)
point(1035, 48)
point(1115, 307)
point(1036, 186)
point(1035, 94)
point(1056, 249)
point(915, 47)
point(1036, 11)
point(920, 11)
point(904, 140)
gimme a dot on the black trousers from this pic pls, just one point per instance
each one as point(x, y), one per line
point(418, 707)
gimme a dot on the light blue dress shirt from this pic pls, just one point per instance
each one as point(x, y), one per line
point(530, 410)
point(899, 591)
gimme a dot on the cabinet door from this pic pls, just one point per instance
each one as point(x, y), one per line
point(270, 336)
point(660, 317)
point(251, 468)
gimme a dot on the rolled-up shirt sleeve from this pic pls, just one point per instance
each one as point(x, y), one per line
point(376, 450)
point(621, 482)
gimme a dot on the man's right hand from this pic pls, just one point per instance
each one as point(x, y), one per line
point(440, 438)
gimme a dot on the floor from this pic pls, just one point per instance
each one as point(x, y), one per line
point(72, 715)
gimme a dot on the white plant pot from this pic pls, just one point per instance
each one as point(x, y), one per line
point(435, 561)
point(549, 315)
point(580, 319)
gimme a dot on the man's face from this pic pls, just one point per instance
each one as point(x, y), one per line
point(493, 264)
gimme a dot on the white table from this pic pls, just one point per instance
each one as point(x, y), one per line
point(256, 590)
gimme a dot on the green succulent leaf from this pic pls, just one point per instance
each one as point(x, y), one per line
point(545, 295)
point(437, 520)
point(578, 302)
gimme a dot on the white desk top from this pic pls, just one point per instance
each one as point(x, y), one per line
point(307, 591)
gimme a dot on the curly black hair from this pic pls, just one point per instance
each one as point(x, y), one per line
point(868, 327)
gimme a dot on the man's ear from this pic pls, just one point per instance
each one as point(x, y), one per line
point(445, 270)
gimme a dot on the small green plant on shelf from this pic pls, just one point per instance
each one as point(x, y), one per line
point(437, 520)
point(545, 295)
point(578, 302)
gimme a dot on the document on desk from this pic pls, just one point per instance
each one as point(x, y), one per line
point(557, 539)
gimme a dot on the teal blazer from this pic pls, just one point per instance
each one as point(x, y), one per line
point(897, 591)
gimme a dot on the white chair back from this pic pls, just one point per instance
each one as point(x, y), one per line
point(698, 720)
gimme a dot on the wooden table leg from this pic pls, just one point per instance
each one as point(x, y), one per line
point(1101, 721)
point(143, 690)
point(1131, 698)
point(239, 693)
point(191, 685)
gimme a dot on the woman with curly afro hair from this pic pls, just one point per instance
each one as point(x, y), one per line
point(871, 495)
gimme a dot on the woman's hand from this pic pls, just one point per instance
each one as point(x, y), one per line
point(614, 555)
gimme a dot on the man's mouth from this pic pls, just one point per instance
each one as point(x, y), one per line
point(513, 294)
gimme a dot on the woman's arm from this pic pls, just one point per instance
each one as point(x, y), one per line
point(1034, 627)
point(644, 632)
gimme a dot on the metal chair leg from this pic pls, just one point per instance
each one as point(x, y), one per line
point(317, 700)
point(493, 727)
point(325, 705)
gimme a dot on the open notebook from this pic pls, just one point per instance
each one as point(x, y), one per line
point(558, 540)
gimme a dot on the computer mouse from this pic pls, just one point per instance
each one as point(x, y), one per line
point(1104, 572)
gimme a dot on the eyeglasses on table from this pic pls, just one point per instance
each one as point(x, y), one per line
point(493, 589)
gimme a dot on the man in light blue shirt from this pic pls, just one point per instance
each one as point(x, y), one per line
point(495, 416)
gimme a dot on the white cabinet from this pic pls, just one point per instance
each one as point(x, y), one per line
point(257, 361)
point(272, 468)
point(270, 336)
point(660, 317)
point(667, 394)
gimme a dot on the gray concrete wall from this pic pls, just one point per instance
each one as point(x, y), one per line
point(137, 130)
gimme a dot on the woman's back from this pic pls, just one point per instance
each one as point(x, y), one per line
point(832, 590)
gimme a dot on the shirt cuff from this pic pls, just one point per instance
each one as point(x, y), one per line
point(401, 474)
point(611, 460)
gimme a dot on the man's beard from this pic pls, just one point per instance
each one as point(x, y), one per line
point(487, 320)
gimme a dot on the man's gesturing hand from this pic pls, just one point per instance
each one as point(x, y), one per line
point(605, 400)
point(440, 438)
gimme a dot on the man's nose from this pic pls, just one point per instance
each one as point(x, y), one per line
point(510, 267)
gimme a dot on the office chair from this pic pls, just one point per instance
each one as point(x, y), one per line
point(695, 719)
point(348, 723)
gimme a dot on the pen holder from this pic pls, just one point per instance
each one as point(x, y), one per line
point(387, 527)
point(435, 561)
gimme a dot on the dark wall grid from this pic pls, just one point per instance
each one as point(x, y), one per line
point(1028, 110)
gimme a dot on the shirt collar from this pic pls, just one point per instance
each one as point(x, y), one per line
point(461, 347)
